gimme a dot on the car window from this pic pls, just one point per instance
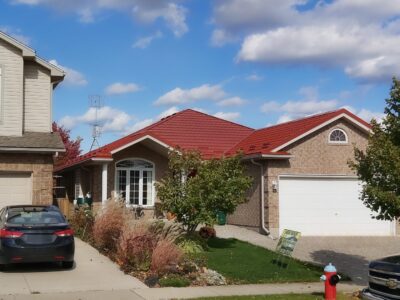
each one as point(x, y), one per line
point(34, 217)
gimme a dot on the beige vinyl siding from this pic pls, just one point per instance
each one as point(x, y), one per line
point(11, 111)
point(37, 108)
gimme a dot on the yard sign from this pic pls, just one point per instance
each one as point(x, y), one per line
point(287, 242)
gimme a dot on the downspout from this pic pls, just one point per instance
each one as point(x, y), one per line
point(262, 198)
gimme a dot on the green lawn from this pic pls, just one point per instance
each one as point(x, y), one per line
point(280, 297)
point(241, 262)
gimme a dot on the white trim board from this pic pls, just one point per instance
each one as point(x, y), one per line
point(140, 140)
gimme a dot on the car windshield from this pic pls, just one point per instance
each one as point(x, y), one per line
point(23, 216)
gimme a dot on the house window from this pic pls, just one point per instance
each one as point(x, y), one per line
point(338, 136)
point(135, 181)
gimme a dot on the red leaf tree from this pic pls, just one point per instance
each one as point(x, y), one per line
point(72, 147)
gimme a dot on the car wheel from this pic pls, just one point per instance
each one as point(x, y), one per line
point(67, 264)
point(3, 267)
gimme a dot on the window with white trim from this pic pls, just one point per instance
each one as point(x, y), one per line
point(135, 181)
point(338, 136)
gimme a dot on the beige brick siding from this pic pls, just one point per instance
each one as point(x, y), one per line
point(41, 168)
point(313, 155)
point(249, 214)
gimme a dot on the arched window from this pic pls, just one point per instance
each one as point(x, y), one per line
point(135, 181)
point(338, 136)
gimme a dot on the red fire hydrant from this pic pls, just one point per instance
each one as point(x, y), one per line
point(331, 278)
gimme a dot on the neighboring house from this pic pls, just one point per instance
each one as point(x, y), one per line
point(27, 144)
point(301, 176)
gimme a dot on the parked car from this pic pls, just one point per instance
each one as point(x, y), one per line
point(384, 279)
point(35, 233)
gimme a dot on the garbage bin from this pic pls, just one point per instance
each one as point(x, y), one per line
point(89, 199)
point(221, 218)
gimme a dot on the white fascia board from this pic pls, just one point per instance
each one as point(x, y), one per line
point(99, 159)
point(54, 70)
point(343, 115)
point(26, 51)
point(9, 149)
point(268, 156)
point(140, 140)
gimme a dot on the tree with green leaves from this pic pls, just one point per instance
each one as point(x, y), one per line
point(194, 190)
point(378, 167)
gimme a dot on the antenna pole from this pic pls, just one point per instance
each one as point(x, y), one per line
point(95, 103)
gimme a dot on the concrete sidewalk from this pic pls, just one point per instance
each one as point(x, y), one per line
point(187, 293)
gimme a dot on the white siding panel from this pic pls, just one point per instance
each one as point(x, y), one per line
point(37, 108)
point(11, 110)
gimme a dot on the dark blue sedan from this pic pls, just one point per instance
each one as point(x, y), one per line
point(35, 233)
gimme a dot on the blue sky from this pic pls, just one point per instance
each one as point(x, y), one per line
point(256, 62)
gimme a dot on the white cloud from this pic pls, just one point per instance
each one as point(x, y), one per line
point(230, 116)
point(72, 77)
point(300, 108)
point(16, 34)
point(144, 42)
point(358, 36)
point(254, 77)
point(221, 37)
point(170, 12)
point(181, 96)
point(119, 88)
point(170, 111)
point(109, 119)
point(137, 126)
point(233, 101)
point(366, 114)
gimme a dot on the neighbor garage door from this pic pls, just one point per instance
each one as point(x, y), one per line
point(15, 188)
point(326, 206)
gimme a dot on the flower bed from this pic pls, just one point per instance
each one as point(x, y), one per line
point(157, 252)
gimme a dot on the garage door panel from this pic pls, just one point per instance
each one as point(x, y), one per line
point(15, 189)
point(326, 206)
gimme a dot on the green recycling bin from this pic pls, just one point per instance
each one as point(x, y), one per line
point(221, 218)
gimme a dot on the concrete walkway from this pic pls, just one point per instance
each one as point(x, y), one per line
point(92, 272)
point(350, 255)
point(185, 293)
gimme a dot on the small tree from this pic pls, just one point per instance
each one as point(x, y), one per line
point(194, 190)
point(72, 147)
point(379, 166)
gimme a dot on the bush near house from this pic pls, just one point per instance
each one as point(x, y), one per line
point(162, 253)
point(195, 190)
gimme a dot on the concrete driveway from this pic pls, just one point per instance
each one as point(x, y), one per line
point(92, 272)
point(350, 255)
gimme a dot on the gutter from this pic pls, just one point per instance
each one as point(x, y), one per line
point(267, 232)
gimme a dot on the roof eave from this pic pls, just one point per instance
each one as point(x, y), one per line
point(342, 115)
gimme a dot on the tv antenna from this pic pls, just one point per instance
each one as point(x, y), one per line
point(95, 103)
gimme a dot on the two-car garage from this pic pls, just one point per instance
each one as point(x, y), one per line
point(15, 188)
point(326, 205)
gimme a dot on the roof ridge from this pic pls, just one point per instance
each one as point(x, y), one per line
point(200, 112)
point(305, 118)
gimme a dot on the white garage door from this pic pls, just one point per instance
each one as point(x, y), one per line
point(15, 189)
point(326, 206)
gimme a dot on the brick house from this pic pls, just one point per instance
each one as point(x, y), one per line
point(27, 144)
point(301, 177)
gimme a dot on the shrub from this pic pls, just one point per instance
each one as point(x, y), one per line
point(174, 281)
point(165, 255)
point(135, 247)
point(190, 246)
point(82, 223)
point(108, 225)
point(170, 231)
point(207, 232)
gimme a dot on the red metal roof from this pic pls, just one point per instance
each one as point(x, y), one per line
point(214, 137)
point(188, 129)
point(264, 141)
